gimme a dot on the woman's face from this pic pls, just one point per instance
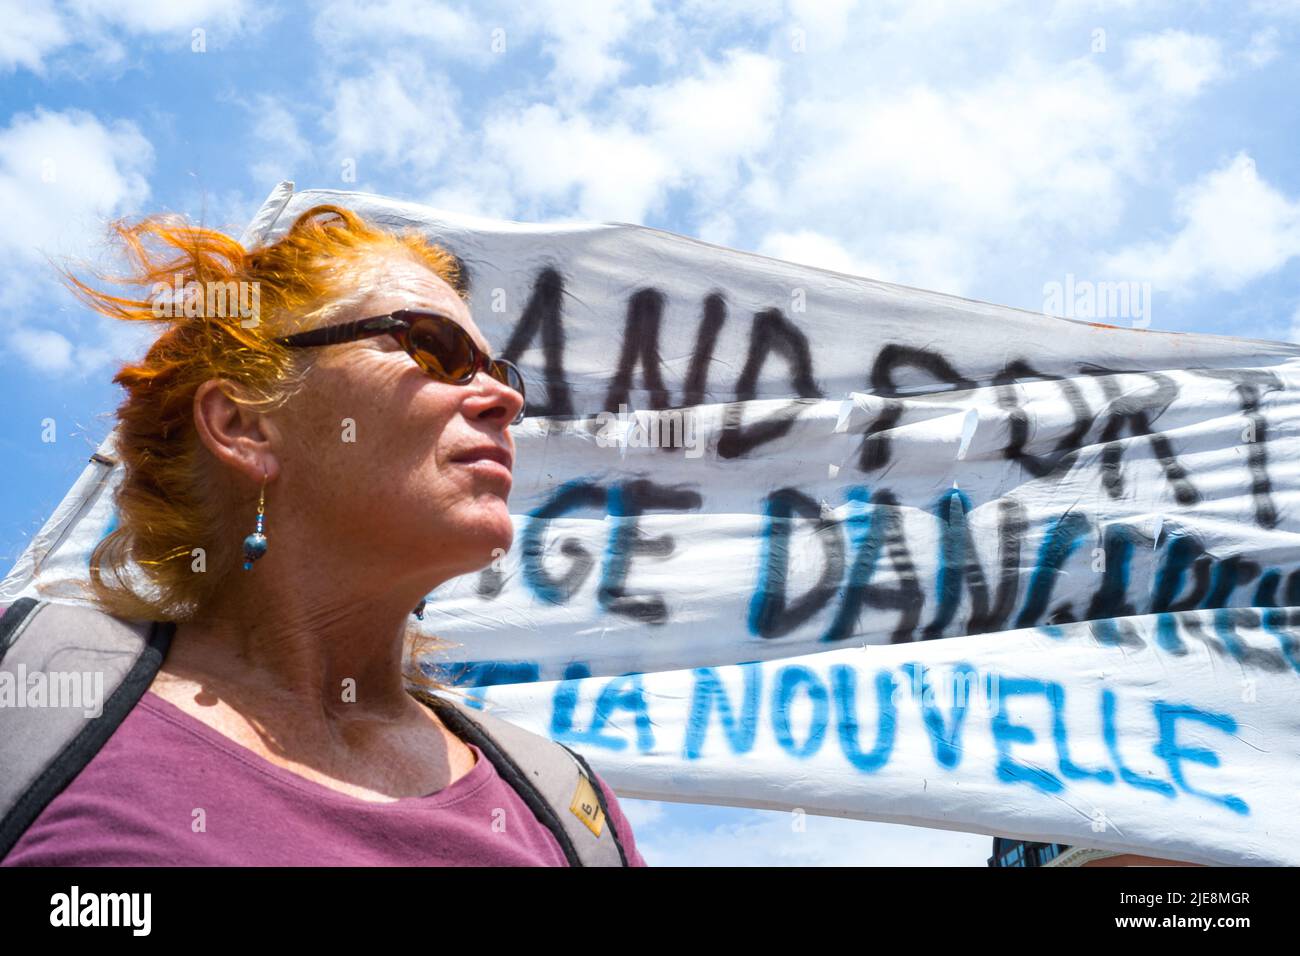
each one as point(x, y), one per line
point(371, 444)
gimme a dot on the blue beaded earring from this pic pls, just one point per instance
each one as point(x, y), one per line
point(255, 543)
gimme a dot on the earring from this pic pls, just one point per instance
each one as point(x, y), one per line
point(255, 543)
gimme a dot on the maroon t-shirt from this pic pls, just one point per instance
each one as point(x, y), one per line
point(137, 803)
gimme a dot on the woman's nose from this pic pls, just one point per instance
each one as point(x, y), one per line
point(493, 394)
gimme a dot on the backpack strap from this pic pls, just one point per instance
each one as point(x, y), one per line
point(555, 782)
point(42, 749)
point(12, 621)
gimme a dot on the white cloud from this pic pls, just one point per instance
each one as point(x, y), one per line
point(33, 32)
point(277, 136)
point(42, 349)
point(350, 22)
point(149, 16)
point(825, 23)
point(1182, 63)
point(709, 121)
point(930, 155)
point(1263, 48)
point(401, 115)
point(488, 196)
point(698, 131)
point(398, 113)
point(1063, 9)
point(814, 249)
point(30, 32)
point(581, 37)
point(353, 24)
point(1037, 143)
point(923, 179)
point(1236, 228)
point(607, 171)
point(99, 343)
point(930, 260)
point(698, 128)
point(61, 176)
point(60, 173)
point(1276, 8)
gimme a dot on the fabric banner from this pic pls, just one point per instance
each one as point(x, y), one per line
point(792, 539)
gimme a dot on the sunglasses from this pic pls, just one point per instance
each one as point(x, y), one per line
point(439, 345)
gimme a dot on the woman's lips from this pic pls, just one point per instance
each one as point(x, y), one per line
point(489, 452)
point(487, 461)
point(488, 467)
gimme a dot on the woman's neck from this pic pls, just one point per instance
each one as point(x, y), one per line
point(332, 653)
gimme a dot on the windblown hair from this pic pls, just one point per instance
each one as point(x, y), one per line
point(173, 498)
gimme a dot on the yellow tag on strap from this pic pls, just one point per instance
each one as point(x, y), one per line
point(586, 805)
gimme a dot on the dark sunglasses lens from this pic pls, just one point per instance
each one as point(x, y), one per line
point(505, 373)
point(444, 348)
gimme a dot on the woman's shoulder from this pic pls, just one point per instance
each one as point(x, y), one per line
point(131, 804)
point(503, 731)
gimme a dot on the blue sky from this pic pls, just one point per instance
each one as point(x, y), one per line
point(984, 149)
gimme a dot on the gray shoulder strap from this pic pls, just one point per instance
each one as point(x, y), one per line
point(557, 783)
point(69, 675)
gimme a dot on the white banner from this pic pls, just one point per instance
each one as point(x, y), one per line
point(787, 538)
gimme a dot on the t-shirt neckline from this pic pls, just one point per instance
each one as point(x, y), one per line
point(458, 789)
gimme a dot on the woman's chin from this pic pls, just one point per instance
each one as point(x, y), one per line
point(469, 539)
point(490, 532)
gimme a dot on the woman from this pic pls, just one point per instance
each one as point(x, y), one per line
point(290, 495)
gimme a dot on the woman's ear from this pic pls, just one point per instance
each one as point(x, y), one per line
point(239, 437)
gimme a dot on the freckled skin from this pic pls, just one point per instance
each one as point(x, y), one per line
point(395, 490)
